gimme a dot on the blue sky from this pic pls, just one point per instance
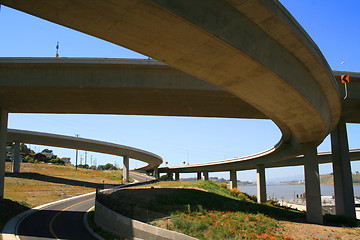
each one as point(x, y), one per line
point(333, 26)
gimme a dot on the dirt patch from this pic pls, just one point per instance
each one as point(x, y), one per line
point(313, 231)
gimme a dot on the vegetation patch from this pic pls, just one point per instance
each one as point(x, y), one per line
point(202, 209)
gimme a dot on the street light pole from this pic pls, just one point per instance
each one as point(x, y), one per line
point(76, 159)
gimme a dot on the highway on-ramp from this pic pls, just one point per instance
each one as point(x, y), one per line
point(62, 220)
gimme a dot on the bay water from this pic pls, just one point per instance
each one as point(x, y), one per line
point(286, 192)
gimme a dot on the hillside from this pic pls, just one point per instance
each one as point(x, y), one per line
point(206, 210)
point(328, 179)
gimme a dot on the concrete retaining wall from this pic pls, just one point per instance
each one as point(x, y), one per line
point(126, 227)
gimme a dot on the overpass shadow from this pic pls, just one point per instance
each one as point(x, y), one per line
point(71, 182)
point(9, 209)
point(68, 225)
point(150, 204)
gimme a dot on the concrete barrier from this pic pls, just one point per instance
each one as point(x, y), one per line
point(122, 226)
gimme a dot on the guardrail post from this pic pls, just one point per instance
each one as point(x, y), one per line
point(3, 139)
point(126, 169)
point(312, 184)
point(261, 183)
point(343, 184)
point(233, 179)
point(15, 167)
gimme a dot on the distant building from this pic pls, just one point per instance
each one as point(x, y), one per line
point(48, 155)
point(66, 159)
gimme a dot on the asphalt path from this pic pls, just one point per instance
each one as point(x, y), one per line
point(63, 220)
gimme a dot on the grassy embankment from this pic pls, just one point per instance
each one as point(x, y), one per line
point(41, 183)
point(202, 209)
point(207, 211)
point(328, 179)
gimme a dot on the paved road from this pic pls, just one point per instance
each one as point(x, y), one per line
point(63, 220)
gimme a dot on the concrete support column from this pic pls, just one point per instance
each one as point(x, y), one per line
point(343, 185)
point(177, 176)
point(126, 169)
point(233, 179)
point(15, 168)
point(206, 176)
point(3, 139)
point(261, 183)
point(156, 173)
point(312, 184)
point(198, 176)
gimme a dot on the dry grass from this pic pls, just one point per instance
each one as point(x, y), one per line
point(42, 183)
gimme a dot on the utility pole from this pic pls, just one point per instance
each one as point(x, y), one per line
point(76, 161)
point(85, 157)
point(91, 161)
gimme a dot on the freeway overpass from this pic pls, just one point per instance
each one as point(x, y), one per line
point(22, 136)
point(253, 50)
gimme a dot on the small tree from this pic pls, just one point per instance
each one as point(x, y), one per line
point(57, 161)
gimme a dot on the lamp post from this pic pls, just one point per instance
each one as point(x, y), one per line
point(76, 159)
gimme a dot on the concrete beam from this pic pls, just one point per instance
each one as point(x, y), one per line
point(261, 183)
point(343, 185)
point(233, 179)
point(206, 176)
point(126, 169)
point(312, 184)
point(3, 139)
point(15, 167)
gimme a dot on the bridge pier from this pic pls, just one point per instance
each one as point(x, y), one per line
point(156, 173)
point(233, 179)
point(177, 176)
point(343, 184)
point(206, 176)
point(198, 176)
point(15, 167)
point(126, 169)
point(312, 184)
point(261, 183)
point(3, 140)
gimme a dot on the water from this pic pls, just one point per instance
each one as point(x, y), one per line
point(286, 192)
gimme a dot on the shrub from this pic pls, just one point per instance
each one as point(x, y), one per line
point(28, 159)
point(57, 161)
point(223, 185)
point(235, 192)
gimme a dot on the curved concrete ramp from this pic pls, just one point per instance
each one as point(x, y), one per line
point(245, 163)
point(253, 49)
point(152, 160)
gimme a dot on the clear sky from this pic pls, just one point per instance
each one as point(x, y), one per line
point(333, 25)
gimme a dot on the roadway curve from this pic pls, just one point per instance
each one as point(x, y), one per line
point(152, 160)
point(63, 220)
point(253, 49)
